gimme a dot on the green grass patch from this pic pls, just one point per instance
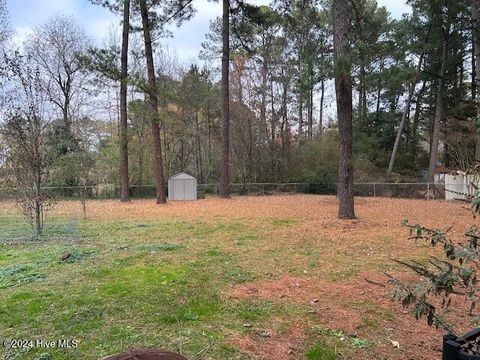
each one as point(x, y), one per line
point(337, 339)
point(244, 239)
point(238, 275)
point(284, 222)
point(342, 274)
point(161, 247)
point(320, 351)
point(215, 251)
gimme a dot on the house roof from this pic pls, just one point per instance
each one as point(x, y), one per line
point(181, 175)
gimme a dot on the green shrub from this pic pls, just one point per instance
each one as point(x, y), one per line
point(456, 273)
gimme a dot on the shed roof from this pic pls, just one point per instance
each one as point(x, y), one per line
point(181, 175)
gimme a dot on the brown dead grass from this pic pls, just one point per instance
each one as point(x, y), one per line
point(317, 211)
point(286, 346)
point(373, 238)
point(350, 307)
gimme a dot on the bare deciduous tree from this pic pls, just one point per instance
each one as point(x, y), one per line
point(56, 47)
point(24, 132)
point(5, 30)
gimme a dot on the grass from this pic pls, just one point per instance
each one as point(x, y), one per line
point(117, 285)
point(320, 351)
point(141, 276)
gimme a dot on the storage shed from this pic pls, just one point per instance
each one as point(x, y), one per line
point(182, 187)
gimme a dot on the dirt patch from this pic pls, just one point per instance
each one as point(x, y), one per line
point(357, 308)
point(297, 289)
point(319, 295)
point(312, 291)
point(267, 345)
point(336, 318)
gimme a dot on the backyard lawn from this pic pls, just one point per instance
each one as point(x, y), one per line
point(275, 277)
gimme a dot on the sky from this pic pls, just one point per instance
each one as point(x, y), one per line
point(97, 22)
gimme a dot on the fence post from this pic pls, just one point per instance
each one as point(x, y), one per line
point(374, 191)
point(428, 190)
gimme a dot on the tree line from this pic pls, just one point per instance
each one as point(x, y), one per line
point(294, 91)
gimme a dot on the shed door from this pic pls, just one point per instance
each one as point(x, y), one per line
point(178, 193)
point(189, 189)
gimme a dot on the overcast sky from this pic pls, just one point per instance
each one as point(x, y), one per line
point(26, 14)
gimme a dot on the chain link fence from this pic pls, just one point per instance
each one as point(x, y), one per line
point(15, 227)
point(395, 190)
point(401, 190)
point(377, 189)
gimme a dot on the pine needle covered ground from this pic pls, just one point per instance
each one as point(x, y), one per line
point(274, 277)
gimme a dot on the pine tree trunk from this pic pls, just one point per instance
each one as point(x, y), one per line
point(273, 120)
point(361, 86)
point(476, 42)
point(209, 151)
point(439, 114)
point(274, 117)
point(300, 116)
point(153, 105)
point(379, 91)
point(343, 88)
point(364, 106)
point(284, 118)
point(199, 161)
point(124, 196)
point(416, 120)
point(322, 99)
point(473, 63)
point(405, 115)
point(225, 162)
point(263, 105)
point(310, 113)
